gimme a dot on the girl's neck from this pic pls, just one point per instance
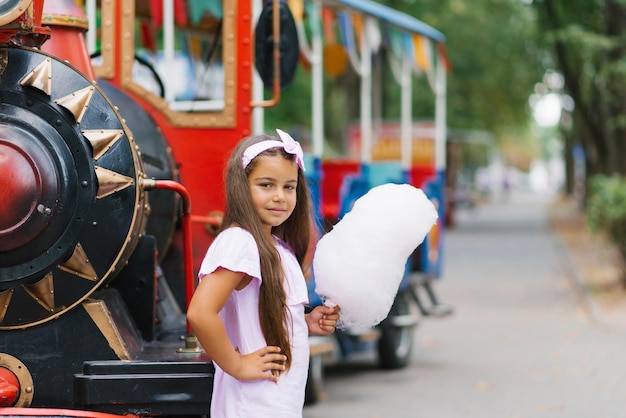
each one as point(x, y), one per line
point(267, 230)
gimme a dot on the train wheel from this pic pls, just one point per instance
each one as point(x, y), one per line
point(396, 341)
point(73, 202)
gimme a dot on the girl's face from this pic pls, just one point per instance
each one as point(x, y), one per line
point(273, 187)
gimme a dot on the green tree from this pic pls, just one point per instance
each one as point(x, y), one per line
point(494, 56)
point(491, 47)
point(495, 65)
point(587, 40)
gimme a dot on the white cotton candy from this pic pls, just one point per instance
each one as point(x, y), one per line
point(360, 263)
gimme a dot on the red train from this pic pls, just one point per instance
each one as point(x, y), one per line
point(116, 118)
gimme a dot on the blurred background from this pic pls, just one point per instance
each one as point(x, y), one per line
point(534, 100)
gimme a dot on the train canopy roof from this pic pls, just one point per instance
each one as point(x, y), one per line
point(391, 16)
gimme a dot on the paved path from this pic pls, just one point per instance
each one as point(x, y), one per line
point(523, 342)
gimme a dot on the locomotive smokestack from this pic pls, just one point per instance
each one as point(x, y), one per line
point(68, 24)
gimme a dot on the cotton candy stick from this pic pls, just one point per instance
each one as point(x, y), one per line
point(360, 263)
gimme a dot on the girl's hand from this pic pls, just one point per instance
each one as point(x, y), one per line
point(322, 320)
point(254, 366)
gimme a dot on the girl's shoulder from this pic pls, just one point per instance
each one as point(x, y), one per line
point(235, 235)
point(235, 232)
point(233, 249)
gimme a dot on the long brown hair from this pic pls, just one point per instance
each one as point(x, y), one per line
point(295, 231)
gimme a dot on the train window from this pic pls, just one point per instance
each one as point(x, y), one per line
point(181, 41)
point(171, 52)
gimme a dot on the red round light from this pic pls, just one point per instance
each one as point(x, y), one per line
point(9, 387)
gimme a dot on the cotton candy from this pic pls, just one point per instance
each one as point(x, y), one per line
point(360, 263)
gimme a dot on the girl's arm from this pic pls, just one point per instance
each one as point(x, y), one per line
point(208, 299)
point(322, 320)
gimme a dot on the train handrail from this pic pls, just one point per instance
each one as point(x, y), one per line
point(150, 184)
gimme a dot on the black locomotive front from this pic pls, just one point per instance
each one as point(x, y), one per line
point(79, 285)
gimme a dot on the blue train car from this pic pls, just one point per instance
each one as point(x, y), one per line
point(401, 151)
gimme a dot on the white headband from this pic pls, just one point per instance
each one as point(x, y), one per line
point(290, 145)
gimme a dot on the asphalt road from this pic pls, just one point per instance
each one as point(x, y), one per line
point(523, 341)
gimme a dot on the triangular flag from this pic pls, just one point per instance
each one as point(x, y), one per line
point(328, 22)
point(180, 12)
point(422, 52)
point(372, 31)
point(357, 27)
point(297, 9)
point(156, 9)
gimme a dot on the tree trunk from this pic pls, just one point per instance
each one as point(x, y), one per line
point(615, 18)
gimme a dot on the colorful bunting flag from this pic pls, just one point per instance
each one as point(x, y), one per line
point(147, 36)
point(197, 9)
point(328, 22)
point(372, 31)
point(180, 12)
point(195, 48)
point(408, 48)
point(297, 9)
point(423, 53)
point(357, 27)
point(393, 38)
point(442, 54)
point(156, 9)
point(347, 32)
point(313, 18)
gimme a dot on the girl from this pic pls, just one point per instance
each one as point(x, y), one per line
point(248, 309)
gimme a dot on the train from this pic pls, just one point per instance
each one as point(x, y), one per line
point(116, 120)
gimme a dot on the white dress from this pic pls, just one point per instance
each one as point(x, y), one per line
point(235, 249)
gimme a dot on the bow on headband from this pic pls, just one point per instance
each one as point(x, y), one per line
point(290, 145)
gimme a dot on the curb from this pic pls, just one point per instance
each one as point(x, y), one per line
point(586, 301)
